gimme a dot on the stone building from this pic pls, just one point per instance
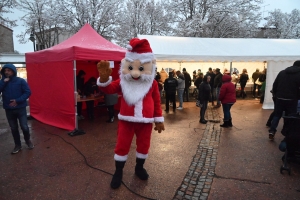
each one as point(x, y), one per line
point(6, 40)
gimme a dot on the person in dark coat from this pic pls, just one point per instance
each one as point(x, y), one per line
point(286, 91)
point(90, 88)
point(255, 76)
point(243, 81)
point(188, 83)
point(15, 92)
point(80, 91)
point(217, 86)
point(170, 86)
point(211, 82)
point(198, 81)
point(204, 97)
point(228, 98)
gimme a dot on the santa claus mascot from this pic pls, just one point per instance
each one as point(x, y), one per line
point(140, 105)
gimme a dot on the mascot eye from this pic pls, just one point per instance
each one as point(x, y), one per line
point(141, 68)
point(130, 67)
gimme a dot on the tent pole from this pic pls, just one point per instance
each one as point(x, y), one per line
point(76, 131)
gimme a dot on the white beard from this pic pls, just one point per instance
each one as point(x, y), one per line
point(135, 90)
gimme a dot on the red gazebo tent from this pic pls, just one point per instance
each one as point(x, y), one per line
point(51, 75)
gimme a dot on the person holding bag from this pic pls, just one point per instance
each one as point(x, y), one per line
point(204, 97)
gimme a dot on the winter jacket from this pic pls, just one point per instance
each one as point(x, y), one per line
point(181, 82)
point(212, 78)
point(163, 75)
point(287, 84)
point(218, 80)
point(227, 91)
point(90, 87)
point(255, 76)
point(16, 88)
point(170, 85)
point(243, 79)
point(204, 91)
point(188, 80)
point(198, 82)
point(262, 77)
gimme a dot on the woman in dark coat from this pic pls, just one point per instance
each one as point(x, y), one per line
point(228, 98)
point(204, 97)
point(243, 81)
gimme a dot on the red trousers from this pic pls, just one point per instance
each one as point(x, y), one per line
point(126, 131)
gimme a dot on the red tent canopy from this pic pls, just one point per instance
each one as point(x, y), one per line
point(51, 74)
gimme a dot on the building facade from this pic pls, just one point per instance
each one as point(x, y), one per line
point(6, 40)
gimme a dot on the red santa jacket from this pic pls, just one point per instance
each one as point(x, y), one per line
point(146, 110)
point(227, 91)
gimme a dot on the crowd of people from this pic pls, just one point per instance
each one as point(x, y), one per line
point(213, 86)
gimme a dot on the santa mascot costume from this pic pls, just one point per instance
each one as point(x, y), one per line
point(140, 105)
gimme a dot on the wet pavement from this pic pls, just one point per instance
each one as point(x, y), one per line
point(187, 161)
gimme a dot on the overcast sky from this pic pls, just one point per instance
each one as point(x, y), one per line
point(268, 5)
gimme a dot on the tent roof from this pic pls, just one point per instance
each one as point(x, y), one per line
point(86, 44)
point(169, 48)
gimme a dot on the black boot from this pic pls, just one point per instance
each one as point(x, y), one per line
point(225, 124)
point(230, 122)
point(117, 177)
point(139, 169)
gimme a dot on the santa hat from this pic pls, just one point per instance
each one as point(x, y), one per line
point(139, 50)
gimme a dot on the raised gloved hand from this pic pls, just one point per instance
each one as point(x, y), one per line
point(104, 71)
point(159, 126)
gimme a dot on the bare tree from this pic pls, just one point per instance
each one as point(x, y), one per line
point(5, 7)
point(147, 17)
point(215, 18)
point(283, 25)
point(41, 19)
point(102, 15)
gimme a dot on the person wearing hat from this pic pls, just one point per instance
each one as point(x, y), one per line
point(140, 105)
point(188, 83)
point(15, 92)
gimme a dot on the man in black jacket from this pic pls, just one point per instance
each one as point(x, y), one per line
point(188, 83)
point(286, 90)
point(211, 83)
point(170, 86)
point(217, 86)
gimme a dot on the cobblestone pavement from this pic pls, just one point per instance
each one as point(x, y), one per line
point(198, 180)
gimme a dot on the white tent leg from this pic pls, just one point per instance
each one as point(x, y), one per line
point(76, 131)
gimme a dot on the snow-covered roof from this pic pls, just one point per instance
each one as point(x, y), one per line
point(169, 48)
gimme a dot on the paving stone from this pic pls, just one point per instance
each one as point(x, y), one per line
point(180, 193)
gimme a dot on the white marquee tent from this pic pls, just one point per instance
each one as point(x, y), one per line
point(194, 53)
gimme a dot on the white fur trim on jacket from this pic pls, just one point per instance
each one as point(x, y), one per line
point(135, 119)
point(104, 84)
point(143, 57)
point(158, 119)
point(142, 156)
point(120, 158)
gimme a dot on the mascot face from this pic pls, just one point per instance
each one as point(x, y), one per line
point(136, 79)
point(136, 69)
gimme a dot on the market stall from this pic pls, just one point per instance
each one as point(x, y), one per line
point(51, 74)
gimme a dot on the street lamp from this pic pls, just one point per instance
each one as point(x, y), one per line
point(32, 39)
